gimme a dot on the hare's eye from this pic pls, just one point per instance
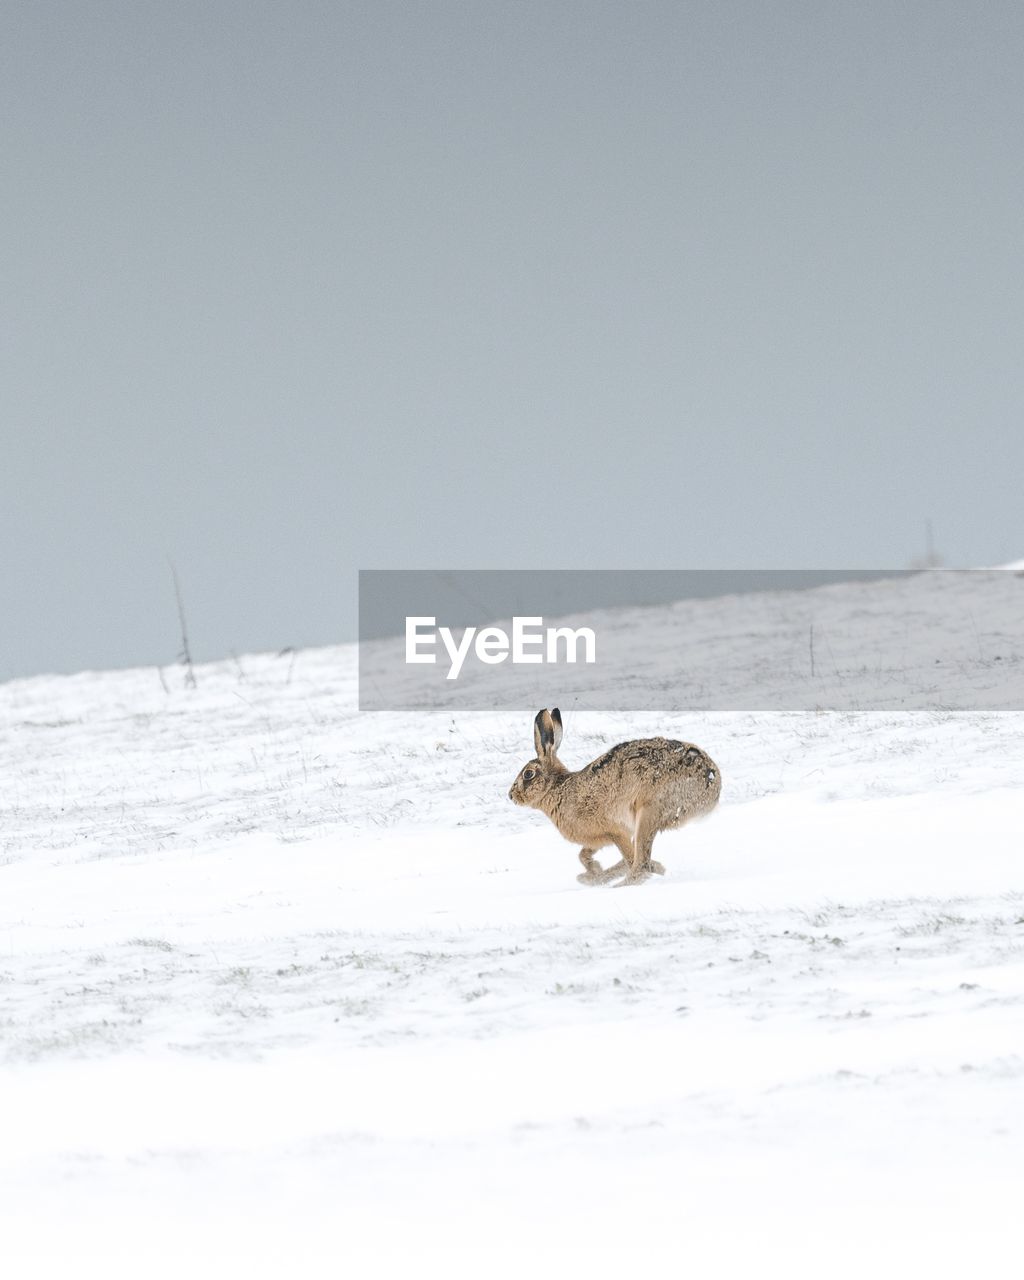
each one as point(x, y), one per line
point(528, 774)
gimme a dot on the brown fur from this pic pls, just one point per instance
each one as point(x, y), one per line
point(623, 798)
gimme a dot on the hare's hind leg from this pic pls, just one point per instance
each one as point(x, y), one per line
point(625, 868)
point(644, 831)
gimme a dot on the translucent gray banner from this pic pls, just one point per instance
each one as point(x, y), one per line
point(691, 640)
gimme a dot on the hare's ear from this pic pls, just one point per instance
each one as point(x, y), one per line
point(556, 720)
point(543, 734)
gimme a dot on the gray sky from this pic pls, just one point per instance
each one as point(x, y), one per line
point(289, 289)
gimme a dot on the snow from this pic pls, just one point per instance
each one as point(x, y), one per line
point(287, 988)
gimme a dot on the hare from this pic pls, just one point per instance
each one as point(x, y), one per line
point(624, 797)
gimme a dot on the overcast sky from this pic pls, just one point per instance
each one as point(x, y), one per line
point(289, 289)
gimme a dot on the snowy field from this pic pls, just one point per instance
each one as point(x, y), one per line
point(289, 990)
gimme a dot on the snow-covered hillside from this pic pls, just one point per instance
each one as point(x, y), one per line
point(286, 989)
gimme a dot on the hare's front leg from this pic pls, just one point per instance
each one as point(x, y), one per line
point(594, 873)
point(592, 869)
point(612, 872)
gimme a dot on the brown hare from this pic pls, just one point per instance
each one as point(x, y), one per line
point(624, 797)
